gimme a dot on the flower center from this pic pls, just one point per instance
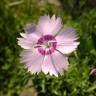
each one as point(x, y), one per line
point(47, 44)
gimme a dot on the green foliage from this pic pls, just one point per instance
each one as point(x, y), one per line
point(77, 81)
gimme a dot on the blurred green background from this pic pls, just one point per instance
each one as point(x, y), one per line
point(15, 80)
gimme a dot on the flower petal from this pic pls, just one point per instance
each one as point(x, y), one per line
point(54, 64)
point(49, 25)
point(48, 66)
point(60, 61)
point(30, 28)
point(66, 40)
point(67, 47)
point(67, 34)
point(28, 40)
point(33, 60)
point(23, 35)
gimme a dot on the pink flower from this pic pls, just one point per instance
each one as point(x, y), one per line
point(46, 44)
point(93, 72)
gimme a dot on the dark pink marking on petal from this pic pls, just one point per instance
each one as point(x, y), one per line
point(51, 49)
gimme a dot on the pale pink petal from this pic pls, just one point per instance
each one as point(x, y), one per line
point(55, 64)
point(33, 60)
point(24, 43)
point(24, 35)
point(66, 40)
point(30, 28)
point(28, 40)
point(68, 47)
point(60, 61)
point(49, 25)
point(48, 66)
point(67, 34)
point(56, 24)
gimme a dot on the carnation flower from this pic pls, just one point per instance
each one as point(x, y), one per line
point(46, 44)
